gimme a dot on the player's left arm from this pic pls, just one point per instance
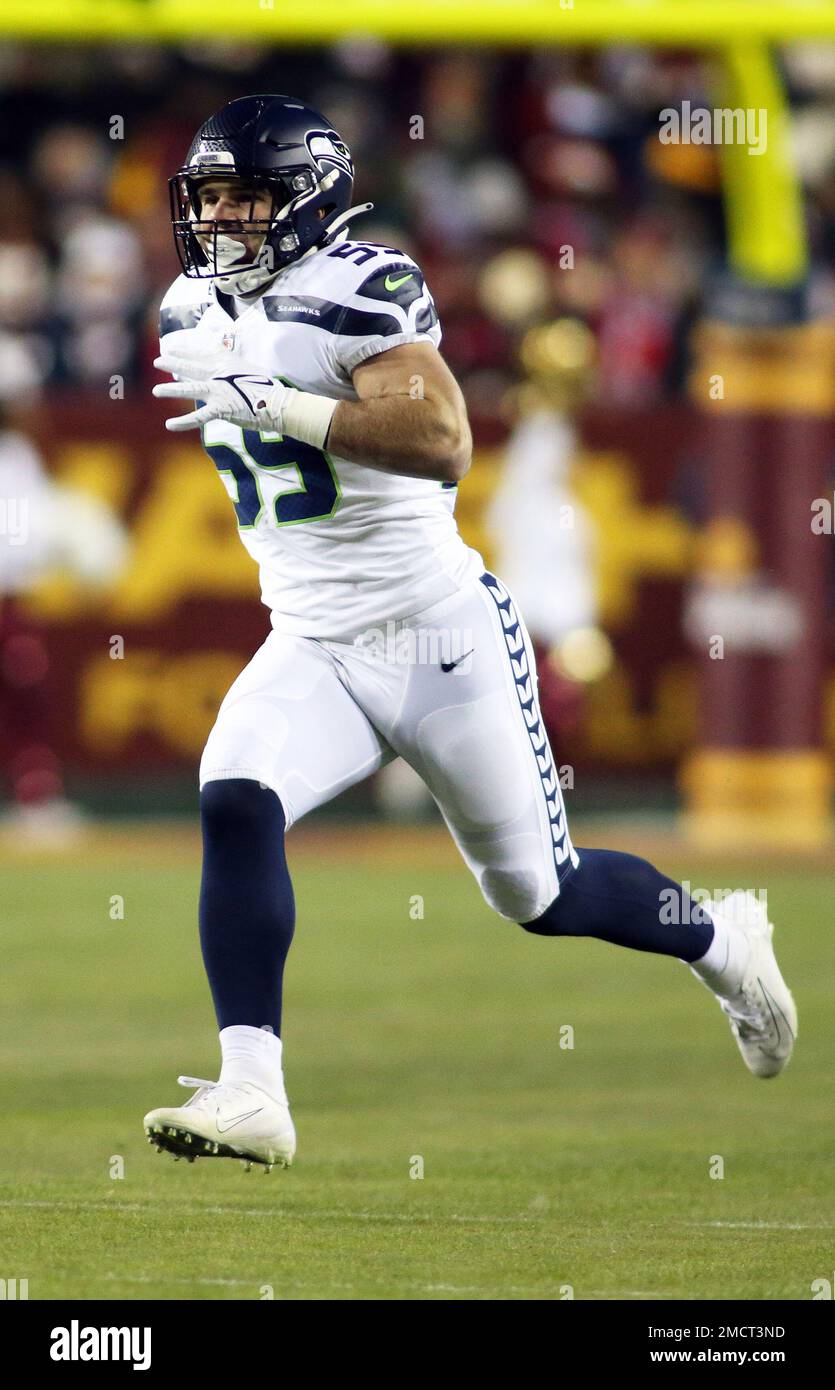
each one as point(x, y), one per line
point(410, 418)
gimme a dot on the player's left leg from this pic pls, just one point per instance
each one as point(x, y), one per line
point(475, 734)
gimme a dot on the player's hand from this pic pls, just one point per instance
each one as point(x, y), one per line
point(249, 399)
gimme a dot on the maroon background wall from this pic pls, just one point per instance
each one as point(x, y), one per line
point(188, 610)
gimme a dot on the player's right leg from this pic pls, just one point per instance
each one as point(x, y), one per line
point(288, 738)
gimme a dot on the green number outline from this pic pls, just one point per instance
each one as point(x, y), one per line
point(272, 437)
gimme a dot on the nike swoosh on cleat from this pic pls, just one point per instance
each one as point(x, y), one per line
point(774, 1009)
point(394, 284)
point(238, 1120)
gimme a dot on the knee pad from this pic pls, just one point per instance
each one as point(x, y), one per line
point(513, 893)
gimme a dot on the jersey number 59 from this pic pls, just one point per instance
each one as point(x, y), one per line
point(258, 458)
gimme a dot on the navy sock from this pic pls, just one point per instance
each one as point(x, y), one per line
point(621, 898)
point(247, 911)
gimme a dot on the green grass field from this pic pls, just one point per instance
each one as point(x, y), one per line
point(440, 1038)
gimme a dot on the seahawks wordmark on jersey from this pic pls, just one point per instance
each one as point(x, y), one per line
point(340, 546)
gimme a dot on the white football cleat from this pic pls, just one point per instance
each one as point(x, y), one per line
point(225, 1120)
point(758, 1002)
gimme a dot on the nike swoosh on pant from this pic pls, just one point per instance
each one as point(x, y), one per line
point(450, 665)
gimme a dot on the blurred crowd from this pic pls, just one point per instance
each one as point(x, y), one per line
point(529, 185)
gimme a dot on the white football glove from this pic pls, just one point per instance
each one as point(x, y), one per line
point(249, 399)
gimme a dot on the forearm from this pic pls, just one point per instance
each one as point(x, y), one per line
point(397, 434)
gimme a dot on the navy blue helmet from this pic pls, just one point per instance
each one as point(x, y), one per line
point(279, 146)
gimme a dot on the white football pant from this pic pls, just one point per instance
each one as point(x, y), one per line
point(452, 690)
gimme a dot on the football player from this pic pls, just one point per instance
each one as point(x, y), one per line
point(311, 361)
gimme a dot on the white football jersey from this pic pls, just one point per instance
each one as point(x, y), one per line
point(341, 546)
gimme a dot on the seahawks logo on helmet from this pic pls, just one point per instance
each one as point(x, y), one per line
point(326, 145)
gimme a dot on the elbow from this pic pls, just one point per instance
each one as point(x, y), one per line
point(458, 462)
point(454, 452)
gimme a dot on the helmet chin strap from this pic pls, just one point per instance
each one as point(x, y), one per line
point(355, 211)
point(246, 280)
point(253, 277)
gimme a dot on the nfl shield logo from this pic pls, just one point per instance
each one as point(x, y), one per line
point(228, 341)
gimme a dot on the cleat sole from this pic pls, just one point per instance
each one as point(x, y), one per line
point(182, 1143)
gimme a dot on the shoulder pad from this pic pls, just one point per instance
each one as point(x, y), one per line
point(183, 305)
